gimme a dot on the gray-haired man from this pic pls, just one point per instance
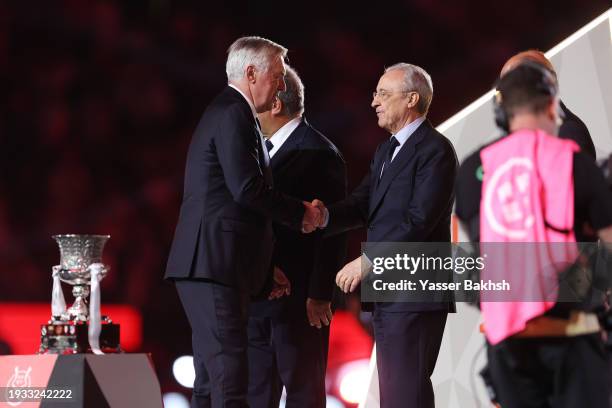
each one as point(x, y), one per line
point(223, 240)
point(406, 197)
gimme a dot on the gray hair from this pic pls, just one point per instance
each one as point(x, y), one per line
point(418, 80)
point(293, 96)
point(256, 51)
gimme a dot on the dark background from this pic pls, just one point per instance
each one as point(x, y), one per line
point(99, 99)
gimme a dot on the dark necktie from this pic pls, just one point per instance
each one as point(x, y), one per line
point(269, 145)
point(393, 143)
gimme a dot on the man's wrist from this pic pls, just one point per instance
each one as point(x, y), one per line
point(366, 263)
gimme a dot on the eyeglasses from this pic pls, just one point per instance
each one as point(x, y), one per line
point(384, 94)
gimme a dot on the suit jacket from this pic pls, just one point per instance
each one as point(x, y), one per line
point(224, 232)
point(307, 166)
point(574, 128)
point(412, 202)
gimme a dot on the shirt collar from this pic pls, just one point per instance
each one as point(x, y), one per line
point(281, 135)
point(404, 133)
point(246, 98)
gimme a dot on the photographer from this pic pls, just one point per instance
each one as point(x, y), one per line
point(544, 358)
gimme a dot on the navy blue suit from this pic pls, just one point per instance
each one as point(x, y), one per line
point(223, 243)
point(412, 202)
point(284, 350)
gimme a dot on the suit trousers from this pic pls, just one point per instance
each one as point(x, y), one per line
point(287, 352)
point(407, 346)
point(218, 317)
point(544, 372)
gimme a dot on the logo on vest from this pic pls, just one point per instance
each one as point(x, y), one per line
point(507, 206)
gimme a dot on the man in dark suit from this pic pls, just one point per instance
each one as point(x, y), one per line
point(406, 197)
point(288, 337)
point(572, 126)
point(223, 241)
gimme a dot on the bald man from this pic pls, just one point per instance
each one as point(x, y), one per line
point(573, 127)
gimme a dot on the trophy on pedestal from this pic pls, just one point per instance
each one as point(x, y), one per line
point(80, 328)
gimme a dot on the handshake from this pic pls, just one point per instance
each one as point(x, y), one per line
point(315, 216)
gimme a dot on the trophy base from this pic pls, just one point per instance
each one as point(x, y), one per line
point(71, 337)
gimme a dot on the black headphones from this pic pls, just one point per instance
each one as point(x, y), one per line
point(547, 85)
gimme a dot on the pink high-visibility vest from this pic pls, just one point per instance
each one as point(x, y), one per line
point(527, 197)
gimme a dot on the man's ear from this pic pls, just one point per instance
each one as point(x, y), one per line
point(413, 100)
point(554, 112)
point(250, 74)
point(277, 106)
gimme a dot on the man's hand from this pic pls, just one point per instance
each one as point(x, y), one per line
point(349, 277)
point(313, 217)
point(281, 287)
point(319, 312)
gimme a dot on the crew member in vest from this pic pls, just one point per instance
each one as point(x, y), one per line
point(540, 353)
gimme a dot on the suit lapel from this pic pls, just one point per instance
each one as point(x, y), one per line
point(401, 160)
point(378, 162)
point(262, 153)
point(261, 145)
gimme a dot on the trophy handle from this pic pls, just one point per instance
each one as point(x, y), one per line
point(58, 303)
point(97, 272)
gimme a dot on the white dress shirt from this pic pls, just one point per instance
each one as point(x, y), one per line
point(405, 132)
point(281, 135)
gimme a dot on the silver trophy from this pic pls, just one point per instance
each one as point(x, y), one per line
point(77, 254)
point(79, 328)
